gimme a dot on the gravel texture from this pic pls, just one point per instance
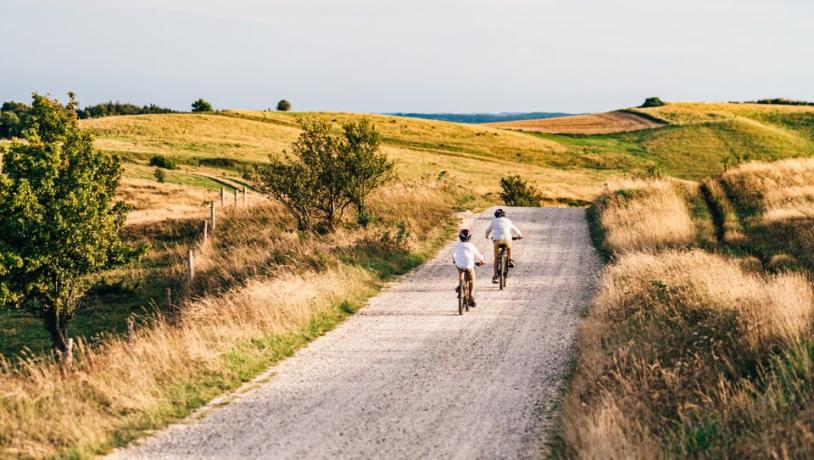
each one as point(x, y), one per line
point(406, 377)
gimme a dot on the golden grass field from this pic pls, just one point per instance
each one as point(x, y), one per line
point(232, 323)
point(695, 348)
point(594, 123)
point(261, 291)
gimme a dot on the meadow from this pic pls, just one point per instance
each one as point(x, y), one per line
point(230, 323)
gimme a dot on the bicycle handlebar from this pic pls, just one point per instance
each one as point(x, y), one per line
point(517, 238)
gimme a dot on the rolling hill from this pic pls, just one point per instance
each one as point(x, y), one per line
point(568, 162)
point(595, 123)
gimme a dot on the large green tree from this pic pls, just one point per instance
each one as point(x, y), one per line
point(59, 222)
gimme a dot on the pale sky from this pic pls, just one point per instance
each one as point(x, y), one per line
point(407, 55)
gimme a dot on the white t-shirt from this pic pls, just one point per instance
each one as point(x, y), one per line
point(501, 228)
point(465, 255)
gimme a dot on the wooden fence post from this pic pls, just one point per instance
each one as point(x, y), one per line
point(245, 195)
point(235, 197)
point(205, 231)
point(212, 215)
point(191, 265)
point(69, 351)
point(223, 196)
point(168, 294)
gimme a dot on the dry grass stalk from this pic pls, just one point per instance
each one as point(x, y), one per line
point(645, 215)
point(674, 339)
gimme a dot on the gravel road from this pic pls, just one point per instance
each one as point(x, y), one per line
point(406, 377)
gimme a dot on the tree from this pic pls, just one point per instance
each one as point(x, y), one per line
point(516, 191)
point(12, 115)
point(9, 125)
point(283, 106)
point(326, 173)
point(652, 102)
point(201, 105)
point(58, 219)
point(367, 168)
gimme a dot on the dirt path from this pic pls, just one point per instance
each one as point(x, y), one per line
point(409, 378)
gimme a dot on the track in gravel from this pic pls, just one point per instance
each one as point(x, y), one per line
point(407, 377)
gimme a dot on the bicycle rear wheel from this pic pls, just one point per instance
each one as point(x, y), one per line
point(504, 268)
point(468, 294)
point(461, 296)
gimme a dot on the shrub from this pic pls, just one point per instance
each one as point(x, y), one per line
point(283, 106)
point(516, 191)
point(161, 161)
point(201, 105)
point(652, 102)
point(160, 175)
point(326, 173)
point(58, 220)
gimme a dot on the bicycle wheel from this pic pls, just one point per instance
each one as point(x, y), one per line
point(461, 297)
point(468, 294)
point(504, 267)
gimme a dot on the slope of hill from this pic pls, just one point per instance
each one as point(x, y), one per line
point(481, 117)
point(595, 123)
point(220, 145)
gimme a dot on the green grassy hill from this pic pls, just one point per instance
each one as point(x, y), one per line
point(698, 141)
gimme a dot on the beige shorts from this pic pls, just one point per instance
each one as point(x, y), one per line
point(469, 274)
point(497, 243)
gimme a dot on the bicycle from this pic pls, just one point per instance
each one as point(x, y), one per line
point(503, 264)
point(464, 290)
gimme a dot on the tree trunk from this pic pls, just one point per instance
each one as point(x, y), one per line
point(57, 328)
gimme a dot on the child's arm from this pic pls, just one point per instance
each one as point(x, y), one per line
point(517, 230)
point(488, 231)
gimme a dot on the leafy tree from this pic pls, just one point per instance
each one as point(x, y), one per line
point(367, 168)
point(516, 191)
point(652, 102)
point(12, 115)
point(326, 173)
point(201, 105)
point(283, 106)
point(9, 125)
point(58, 219)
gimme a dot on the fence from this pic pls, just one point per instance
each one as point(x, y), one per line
point(208, 228)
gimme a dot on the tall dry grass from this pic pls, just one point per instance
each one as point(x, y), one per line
point(639, 215)
point(261, 290)
point(685, 354)
point(775, 203)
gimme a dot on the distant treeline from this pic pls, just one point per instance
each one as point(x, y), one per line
point(13, 114)
point(482, 117)
point(107, 109)
point(779, 101)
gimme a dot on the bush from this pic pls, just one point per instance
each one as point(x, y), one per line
point(652, 102)
point(201, 105)
point(161, 161)
point(283, 106)
point(518, 192)
point(160, 175)
point(327, 173)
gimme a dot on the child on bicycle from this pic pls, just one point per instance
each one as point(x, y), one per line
point(465, 256)
point(501, 229)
